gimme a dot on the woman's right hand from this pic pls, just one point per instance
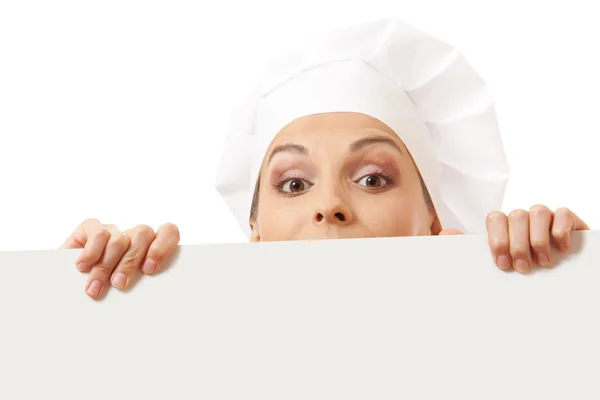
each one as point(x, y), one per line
point(113, 257)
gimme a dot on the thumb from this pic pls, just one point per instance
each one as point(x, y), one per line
point(450, 231)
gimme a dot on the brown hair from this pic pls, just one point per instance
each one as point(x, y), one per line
point(254, 206)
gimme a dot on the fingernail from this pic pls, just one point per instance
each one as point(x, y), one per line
point(119, 280)
point(503, 262)
point(522, 266)
point(149, 266)
point(94, 289)
point(81, 266)
point(544, 260)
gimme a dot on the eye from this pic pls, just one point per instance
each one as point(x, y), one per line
point(374, 181)
point(294, 186)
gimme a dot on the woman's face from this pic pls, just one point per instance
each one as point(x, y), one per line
point(339, 175)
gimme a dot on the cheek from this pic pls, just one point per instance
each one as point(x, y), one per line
point(393, 216)
point(279, 221)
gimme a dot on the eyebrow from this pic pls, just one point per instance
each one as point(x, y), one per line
point(364, 142)
point(354, 147)
point(290, 148)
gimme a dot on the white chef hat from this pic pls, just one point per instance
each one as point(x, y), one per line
point(419, 86)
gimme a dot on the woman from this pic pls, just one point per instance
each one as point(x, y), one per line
point(374, 131)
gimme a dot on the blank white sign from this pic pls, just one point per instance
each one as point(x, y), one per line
point(411, 318)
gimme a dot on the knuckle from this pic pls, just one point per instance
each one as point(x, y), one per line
point(539, 210)
point(157, 252)
point(101, 271)
point(123, 240)
point(520, 251)
point(142, 232)
point(103, 233)
point(539, 244)
point(90, 222)
point(518, 215)
point(495, 216)
point(498, 244)
point(171, 229)
point(558, 233)
point(120, 241)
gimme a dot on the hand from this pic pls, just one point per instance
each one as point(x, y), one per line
point(109, 254)
point(519, 238)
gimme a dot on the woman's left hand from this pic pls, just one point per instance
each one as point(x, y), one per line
point(521, 237)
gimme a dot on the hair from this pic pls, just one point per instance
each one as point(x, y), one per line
point(255, 197)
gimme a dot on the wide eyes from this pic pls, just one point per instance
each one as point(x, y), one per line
point(294, 186)
point(298, 185)
point(373, 181)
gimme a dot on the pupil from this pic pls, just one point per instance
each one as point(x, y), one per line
point(296, 185)
point(372, 181)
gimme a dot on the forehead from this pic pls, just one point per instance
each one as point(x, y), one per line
point(338, 127)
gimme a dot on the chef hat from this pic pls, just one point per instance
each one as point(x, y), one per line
point(419, 86)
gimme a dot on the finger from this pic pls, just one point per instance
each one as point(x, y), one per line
point(92, 236)
point(79, 237)
point(580, 225)
point(497, 228)
point(518, 235)
point(115, 248)
point(165, 243)
point(140, 238)
point(564, 222)
point(540, 222)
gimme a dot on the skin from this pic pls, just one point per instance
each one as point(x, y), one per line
point(357, 180)
point(338, 175)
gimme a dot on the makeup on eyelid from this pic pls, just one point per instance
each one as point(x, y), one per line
point(377, 162)
point(374, 170)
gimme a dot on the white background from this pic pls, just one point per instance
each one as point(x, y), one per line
point(117, 109)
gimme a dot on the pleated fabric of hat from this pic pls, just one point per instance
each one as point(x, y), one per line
point(419, 86)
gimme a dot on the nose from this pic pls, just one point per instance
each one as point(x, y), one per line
point(332, 210)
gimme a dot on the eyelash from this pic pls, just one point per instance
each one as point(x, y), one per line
point(286, 178)
point(381, 174)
